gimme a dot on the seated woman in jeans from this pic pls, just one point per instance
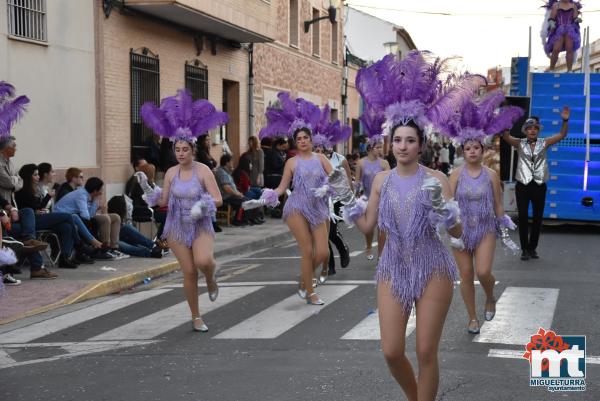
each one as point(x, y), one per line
point(59, 223)
point(131, 241)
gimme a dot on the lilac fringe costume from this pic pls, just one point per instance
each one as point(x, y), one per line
point(180, 226)
point(413, 252)
point(308, 174)
point(564, 25)
point(369, 170)
point(476, 201)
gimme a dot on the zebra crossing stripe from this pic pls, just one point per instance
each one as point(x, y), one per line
point(368, 328)
point(281, 317)
point(520, 312)
point(46, 327)
point(518, 354)
point(155, 324)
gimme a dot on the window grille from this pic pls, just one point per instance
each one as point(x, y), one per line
point(145, 86)
point(27, 19)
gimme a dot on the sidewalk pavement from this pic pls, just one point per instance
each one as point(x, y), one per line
point(97, 280)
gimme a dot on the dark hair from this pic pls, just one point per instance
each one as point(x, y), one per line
point(302, 129)
point(26, 173)
point(192, 145)
point(93, 184)
point(266, 142)
point(44, 169)
point(202, 143)
point(254, 144)
point(412, 124)
point(226, 158)
point(136, 162)
point(279, 141)
point(243, 165)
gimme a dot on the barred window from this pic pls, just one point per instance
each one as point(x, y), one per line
point(145, 86)
point(27, 19)
point(196, 80)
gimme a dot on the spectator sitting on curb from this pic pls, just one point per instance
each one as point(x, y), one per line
point(229, 192)
point(131, 241)
point(22, 221)
point(60, 223)
point(46, 184)
point(140, 208)
point(74, 180)
point(84, 203)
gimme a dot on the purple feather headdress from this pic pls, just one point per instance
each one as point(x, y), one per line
point(548, 5)
point(10, 110)
point(412, 90)
point(180, 118)
point(287, 116)
point(372, 123)
point(479, 120)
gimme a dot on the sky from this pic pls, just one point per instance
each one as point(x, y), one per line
point(484, 33)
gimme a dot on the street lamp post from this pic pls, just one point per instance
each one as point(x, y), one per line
point(332, 12)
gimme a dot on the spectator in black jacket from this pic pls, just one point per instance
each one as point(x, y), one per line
point(274, 162)
point(203, 153)
point(74, 180)
point(60, 223)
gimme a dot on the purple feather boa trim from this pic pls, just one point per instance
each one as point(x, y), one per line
point(7, 257)
point(270, 197)
point(447, 217)
point(505, 222)
point(203, 207)
point(352, 213)
point(152, 200)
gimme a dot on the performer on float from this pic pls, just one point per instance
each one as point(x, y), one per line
point(478, 192)
point(305, 212)
point(532, 174)
point(328, 134)
point(410, 204)
point(370, 165)
point(560, 30)
point(11, 110)
point(189, 190)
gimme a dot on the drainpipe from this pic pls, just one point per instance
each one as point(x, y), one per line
point(250, 49)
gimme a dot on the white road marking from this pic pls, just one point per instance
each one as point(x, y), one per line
point(520, 312)
point(281, 317)
point(518, 354)
point(285, 282)
point(72, 348)
point(368, 328)
point(46, 327)
point(155, 324)
point(476, 282)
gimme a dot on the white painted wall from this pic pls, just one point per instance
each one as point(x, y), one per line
point(370, 46)
point(59, 79)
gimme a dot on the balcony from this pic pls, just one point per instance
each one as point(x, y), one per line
point(244, 21)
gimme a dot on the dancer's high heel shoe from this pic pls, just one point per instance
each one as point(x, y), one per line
point(301, 291)
point(370, 254)
point(198, 325)
point(490, 313)
point(323, 277)
point(473, 327)
point(214, 293)
point(310, 301)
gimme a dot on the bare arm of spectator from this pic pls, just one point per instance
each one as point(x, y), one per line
point(511, 140)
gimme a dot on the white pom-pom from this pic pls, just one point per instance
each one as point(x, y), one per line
point(197, 210)
point(7, 257)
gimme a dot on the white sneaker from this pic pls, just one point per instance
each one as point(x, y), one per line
point(117, 254)
point(8, 279)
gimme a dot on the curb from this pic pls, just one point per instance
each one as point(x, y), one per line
point(113, 285)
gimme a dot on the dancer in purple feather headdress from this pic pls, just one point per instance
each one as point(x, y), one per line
point(409, 204)
point(368, 167)
point(306, 213)
point(11, 110)
point(189, 190)
point(560, 30)
point(479, 194)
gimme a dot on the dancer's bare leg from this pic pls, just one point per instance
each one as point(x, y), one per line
point(190, 274)
point(301, 231)
point(484, 260)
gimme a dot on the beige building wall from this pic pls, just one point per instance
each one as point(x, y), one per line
point(116, 36)
point(281, 66)
point(354, 110)
point(58, 77)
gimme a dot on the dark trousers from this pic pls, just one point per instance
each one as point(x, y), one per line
point(536, 194)
point(335, 237)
